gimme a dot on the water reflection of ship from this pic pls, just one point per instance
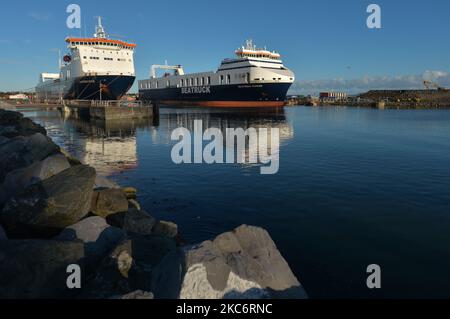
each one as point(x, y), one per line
point(110, 146)
point(171, 119)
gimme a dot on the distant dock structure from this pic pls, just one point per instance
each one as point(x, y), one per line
point(333, 96)
point(109, 110)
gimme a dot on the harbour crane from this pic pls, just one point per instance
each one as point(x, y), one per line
point(177, 68)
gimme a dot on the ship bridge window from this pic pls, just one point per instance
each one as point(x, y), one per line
point(228, 79)
point(209, 80)
point(221, 79)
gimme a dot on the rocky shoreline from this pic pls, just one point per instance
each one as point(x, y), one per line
point(56, 213)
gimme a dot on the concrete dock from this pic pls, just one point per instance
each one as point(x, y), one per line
point(109, 110)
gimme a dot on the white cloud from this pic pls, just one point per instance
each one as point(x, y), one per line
point(367, 83)
point(434, 75)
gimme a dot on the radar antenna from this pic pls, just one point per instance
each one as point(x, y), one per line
point(249, 45)
point(99, 30)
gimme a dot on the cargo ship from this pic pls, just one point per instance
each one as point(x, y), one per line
point(254, 78)
point(97, 68)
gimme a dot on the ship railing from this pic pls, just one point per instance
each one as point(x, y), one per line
point(103, 103)
point(116, 103)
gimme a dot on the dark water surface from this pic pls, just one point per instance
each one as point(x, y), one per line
point(355, 187)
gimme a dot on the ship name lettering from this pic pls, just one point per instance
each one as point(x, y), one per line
point(196, 90)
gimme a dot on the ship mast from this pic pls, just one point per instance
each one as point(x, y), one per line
point(249, 45)
point(99, 30)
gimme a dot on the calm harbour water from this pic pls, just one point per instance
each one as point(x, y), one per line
point(356, 187)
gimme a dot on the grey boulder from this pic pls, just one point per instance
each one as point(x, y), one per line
point(18, 180)
point(243, 264)
point(141, 263)
point(135, 221)
point(108, 202)
point(34, 269)
point(13, 124)
point(164, 228)
point(3, 140)
point(47, 207)
point(23, 151)
point(98, 237)
point(138, 222)
point(72, 160)
point(2, 234)
point(102, 182)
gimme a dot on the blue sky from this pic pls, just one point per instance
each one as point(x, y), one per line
point(325, 42)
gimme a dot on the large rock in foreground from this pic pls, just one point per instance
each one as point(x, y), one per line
point(18, 180)
point(243, 264)
point(141, 263)
point(31, 269)
point(108, 202)
point(102, 182)
point(2, 233)
point(45, 208)
point(15, 124)
point(135, 221)
point(165, 229)
point(23, 151)
point(98, 237)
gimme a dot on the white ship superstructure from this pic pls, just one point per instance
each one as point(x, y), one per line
point(96, 68)
point(256, 77)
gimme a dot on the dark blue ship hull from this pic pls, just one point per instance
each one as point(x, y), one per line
point(108, 87)
point(238, 95)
